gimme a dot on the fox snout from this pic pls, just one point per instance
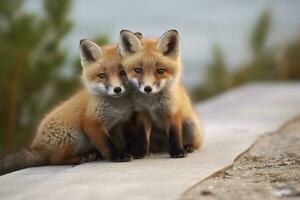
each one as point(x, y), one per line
point(100, 89)
point(116, 90)
point(148, 89)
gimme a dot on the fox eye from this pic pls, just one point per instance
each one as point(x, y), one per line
point(122, 73)
point(138, 70)
point(102, 75)
point(161, 71)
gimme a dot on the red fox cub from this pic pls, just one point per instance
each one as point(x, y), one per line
point(154, 69)
point(84, 121)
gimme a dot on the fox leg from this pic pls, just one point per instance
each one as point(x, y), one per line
point(189, 135)
point(69, 155)
point(64, 156)
point(174, 132)
point(192, 134)
point(103, 142)
point(140, 135)
point(62, 145)
point(89, 156)
point(117, 135)
point(73, 160)
point(147, 123)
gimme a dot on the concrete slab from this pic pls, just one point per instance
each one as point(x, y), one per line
point(233, 121)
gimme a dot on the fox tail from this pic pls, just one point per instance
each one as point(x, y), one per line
point(25, 158)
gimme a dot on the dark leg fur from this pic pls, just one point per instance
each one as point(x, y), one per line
point(117, 145)
point(117, 155)
point(158, 140)
point(137, 143)
point(89, 156)
point(175, 145)
point(135, 138)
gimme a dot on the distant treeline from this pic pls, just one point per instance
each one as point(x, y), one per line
point(32, 78)
point(276, 63)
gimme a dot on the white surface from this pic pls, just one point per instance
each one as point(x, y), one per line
point(233, 121)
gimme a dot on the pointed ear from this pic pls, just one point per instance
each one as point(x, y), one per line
point(90, 52)
point(139, 35)
point(169, 43)
point(129, 43)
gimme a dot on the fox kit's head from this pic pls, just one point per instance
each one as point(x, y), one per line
point(102, 70)
point(151, 65)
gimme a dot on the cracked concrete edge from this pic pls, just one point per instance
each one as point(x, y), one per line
point(216, 173)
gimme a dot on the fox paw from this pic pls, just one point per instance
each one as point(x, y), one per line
point(89, 157)
point(178, 153)
point(188, 148)
point(139, 153)
point(121, 157)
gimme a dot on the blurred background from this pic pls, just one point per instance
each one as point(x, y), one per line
point(224, 44)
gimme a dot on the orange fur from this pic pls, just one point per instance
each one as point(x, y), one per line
point(67, 130)
point(149, 58)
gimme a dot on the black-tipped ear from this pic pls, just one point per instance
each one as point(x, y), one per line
point(129, 43)
point(90, 52)
point(169, 43)
point(139, 35)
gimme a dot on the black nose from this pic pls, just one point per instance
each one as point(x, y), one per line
point(117, 90)
point(147, 89)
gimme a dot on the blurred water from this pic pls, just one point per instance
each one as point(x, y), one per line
point(201, 24)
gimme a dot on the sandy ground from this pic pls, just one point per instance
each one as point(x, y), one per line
point(270, 169)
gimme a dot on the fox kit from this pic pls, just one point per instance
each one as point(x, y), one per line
point(160, 100)
point(86, 119)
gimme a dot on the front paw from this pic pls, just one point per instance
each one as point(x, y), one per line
point(89, 157)
point(121, 157)
point(178, 153)
point(139, 153)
